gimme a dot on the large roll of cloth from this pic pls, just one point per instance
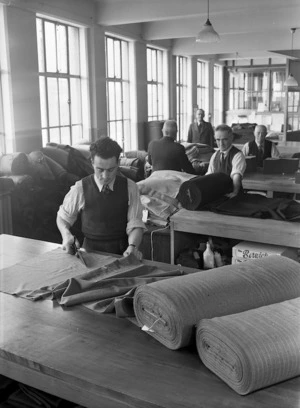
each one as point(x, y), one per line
point(173, 307)
point(201, 190)
point(253, 349)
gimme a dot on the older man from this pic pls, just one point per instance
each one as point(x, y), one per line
point(260, 147)
point(228, 159)
point(166, 154)
point(201, 131)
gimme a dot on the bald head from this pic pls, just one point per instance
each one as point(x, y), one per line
point(170, 129)
point(260, 133)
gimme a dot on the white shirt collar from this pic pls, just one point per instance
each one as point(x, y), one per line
point(100, 186)
point(225, 152)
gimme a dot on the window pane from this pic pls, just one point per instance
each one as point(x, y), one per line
point(51, 65)
point(149, 64)
point(65, 135)
point(110, 57)
point(125, 61)
point(154, 66)
point(76, 110)
point(127, 143)
point(117, 57)
point(126, 101)
point(111, 101)
point(74, 50)
point(119, 134)
point(40, 44)
point(118, 97)
point(64, 102)
point(61, 48)
point(54, 135)
point(150, 108)
point(43, 101)
point(76, 134)
point(53, 102)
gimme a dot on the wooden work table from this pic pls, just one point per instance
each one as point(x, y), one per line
point(284, 183)
point(97, 360)
point(266, 231)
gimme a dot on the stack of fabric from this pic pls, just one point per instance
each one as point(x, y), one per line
point(246, 315)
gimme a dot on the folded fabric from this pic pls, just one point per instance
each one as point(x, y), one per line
point(106, 285)
point(253, 349)
point(201, 190)
point(257, 206)
point(173, 307)
point(158, 192)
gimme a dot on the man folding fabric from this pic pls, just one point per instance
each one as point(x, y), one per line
point(228, 159)
point(109, 205)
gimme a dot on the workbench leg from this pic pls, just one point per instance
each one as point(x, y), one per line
point(172, 243)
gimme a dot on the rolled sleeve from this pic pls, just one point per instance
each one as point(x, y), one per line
point(238, 164)
point(135, 208)
point(73, 203)
point(211, 169)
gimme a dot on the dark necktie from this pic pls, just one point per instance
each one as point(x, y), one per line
point(222, 160)
point(105, 189)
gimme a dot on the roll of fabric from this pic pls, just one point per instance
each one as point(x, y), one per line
point(171, 309)
point(253, 349)
point(14, 163)
point(201, 190)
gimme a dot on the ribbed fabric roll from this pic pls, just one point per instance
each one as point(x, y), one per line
point(172, 308)
point(253, 349)
point(201, 190)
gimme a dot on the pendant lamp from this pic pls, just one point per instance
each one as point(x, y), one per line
point(207, 34)
point(291, 81)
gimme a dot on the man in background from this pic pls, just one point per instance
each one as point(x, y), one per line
point(166, 154)
point(260, 147)
point(109, 204)
point(201, 131)
point(228, 159)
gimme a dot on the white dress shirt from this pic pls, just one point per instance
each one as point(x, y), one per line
point(74, 202)
point(238, 163)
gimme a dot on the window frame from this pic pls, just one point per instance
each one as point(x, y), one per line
point(182, 96)
point(156, 82)
point(122, 123)
point(73, 115)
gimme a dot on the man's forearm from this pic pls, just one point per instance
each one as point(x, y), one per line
point(64, 227)
point(237, 183)
point(135, 237)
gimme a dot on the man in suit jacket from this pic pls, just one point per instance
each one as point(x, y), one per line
point(260, 147)
point(166, 154)
point(201, 131)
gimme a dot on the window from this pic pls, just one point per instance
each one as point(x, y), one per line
point(63, 92)
point(155, 85)
point(293, 110)
point(181, 96)
point(260, 90)
point(202, 85)
point(117, 85)
point(218, 94)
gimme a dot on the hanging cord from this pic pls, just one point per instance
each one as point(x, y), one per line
point(151, 240)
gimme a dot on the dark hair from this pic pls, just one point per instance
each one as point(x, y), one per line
point(106, 148)
point(224, 128)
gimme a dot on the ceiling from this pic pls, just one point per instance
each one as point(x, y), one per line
point(251, 28)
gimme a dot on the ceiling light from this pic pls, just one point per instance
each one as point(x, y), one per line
point(207, 34)
point(291, 81)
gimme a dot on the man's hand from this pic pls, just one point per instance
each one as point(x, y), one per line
point(68, 244)
point(133, 250)
point(231, 195)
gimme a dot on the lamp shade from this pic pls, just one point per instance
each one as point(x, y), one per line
point(208, 34)
point(291, 81)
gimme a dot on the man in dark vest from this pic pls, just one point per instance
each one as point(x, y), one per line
point(260, 147)
point(201, 131)
point(166, 153)
point(109, 204)
point(227, 159)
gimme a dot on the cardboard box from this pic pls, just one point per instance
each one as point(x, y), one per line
point(251, 250)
